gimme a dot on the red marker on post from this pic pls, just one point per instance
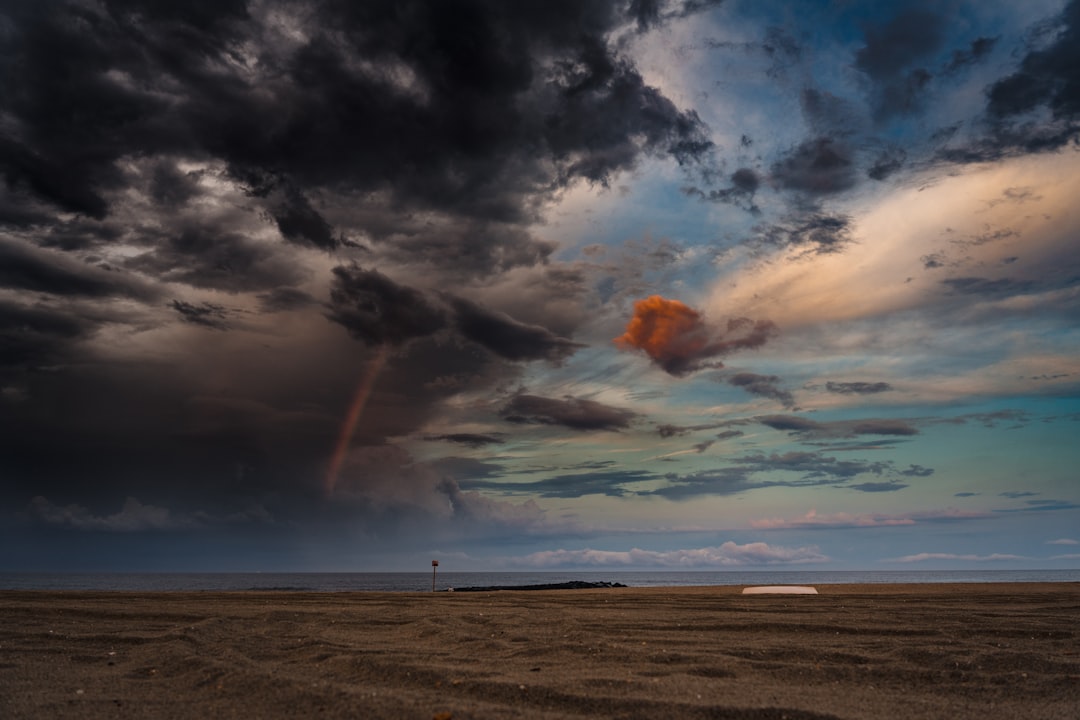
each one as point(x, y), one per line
point(434, 564)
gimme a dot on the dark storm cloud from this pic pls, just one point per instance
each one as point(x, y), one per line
point(475, 111)
point(744, 184)
point(881, 427)
point(818, 233)
point(574, 413)
point(207, 257)
point(648, 13)
point(74, 233)
point(812, 429)
point(886, 163)
point(857, 388)
point(47, 179)
point(228, 147)
point(376, 310)
point(472, 440)
point(817, 167)
point(745, 180)
point(1013, 494)
point(890, 57)
point(876, 487)
point(284, 299)
point(1048, 76)
point(813, 466)
point(980, 47)
point(32, 336)
point(645, 12)
point(74, 119)
point(24, 267)
point(610, 483)
point(171, 187)
point(508, 338)
point(763, 385)
point(210, 315)
point(300, 223)
point(667, 431)
point(461, 247)
point(1005, 141)
point(490, 83)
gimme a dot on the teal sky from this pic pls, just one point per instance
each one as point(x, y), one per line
point(646, 285)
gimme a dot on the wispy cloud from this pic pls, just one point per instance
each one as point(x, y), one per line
point(574, 485)
point(1042, 506)
point(729, 554)
point(863, 520)
point(803, 427)
point(134, 516)
point(924, 557)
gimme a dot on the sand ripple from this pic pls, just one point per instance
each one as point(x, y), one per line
point(904, 652)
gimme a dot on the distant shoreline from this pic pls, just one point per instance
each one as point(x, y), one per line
point(571, 585)
point(420, 581)
point(1019, 588)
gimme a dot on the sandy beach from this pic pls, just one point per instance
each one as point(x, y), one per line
point(852, 651)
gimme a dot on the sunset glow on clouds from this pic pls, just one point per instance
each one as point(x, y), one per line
point(318, 285)
point(676, 337)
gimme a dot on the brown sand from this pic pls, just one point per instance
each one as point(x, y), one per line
point(877, 651)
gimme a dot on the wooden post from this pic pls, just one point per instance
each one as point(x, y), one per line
point(434, 564)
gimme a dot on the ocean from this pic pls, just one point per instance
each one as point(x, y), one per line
point(421, 582)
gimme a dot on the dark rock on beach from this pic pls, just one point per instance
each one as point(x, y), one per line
point(572, 585)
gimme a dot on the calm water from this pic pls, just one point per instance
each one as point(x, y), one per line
point(421, 582)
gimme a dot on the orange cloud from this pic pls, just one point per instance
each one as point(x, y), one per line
point(676, 337)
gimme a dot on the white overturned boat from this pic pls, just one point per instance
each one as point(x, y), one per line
point(780, 590)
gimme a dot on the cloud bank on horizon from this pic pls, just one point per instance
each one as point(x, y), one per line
point(314, 284)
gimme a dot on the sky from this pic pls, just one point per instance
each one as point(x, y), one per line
point(563, 285)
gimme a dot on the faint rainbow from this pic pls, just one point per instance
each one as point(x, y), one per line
point(363, 392)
